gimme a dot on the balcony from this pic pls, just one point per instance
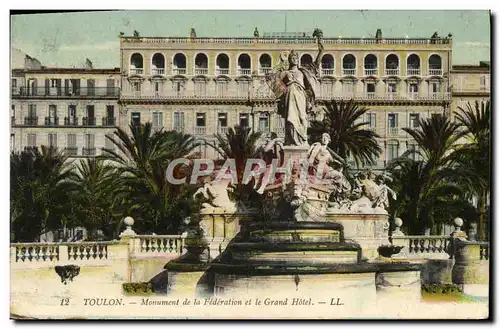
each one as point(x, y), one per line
point(371, 71)
point(413, 95)
point(222, 130)
point(51, 121)
point(71, 151)
point(31, 121)
point(136, 71)
point(412, 71)
point(349, 71)
point(200, 71)
point(391, 96)
point(179, 70)
point(200, 130)
point(109, 121)
point(392, 131)
point(88, 151)
point(222, 72)
point(327, 71)
point(93, 92)
point(370, 95)
point(158, 71)
point(392, 72)
point(88, 121)
point(265, 70)
point(71, 121)
point(435, 72)
point(244, 71)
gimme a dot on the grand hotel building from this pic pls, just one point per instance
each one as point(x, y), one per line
point(203, 85)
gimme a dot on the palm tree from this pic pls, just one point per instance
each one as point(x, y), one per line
point(428, 186)
point(342, 121)
point(98, 197)
point(238, 143)
point(475, 155)
point(38, 192)
point(142, 159)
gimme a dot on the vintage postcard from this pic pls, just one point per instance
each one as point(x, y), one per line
point(244, 164)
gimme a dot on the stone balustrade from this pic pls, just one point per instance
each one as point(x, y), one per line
point(160, 244)
point(423, 246)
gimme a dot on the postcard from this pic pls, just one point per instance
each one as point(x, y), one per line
point(244, 164)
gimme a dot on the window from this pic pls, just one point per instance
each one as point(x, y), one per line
point(222, 119)
point(178, 87)
point(371, 118)
point(179, 121)
point(264, 122)
point(12, 142)
point(435, 87)
point(31, 140)
point(157, 120)
point(200, 119)
point(135, 118)
point(89, 144)
point(90, 111)
point(14, 83)
point(157, 87)
point(391, 87)
point(222, 87)
point(13, 111)
point(110, 111)
point(393, 120)
point(53, 83)
point(413, 88)
point(243, 88)
point(244, 122)
point(32, 110)
point(136, 87)
point(71, 144)
point(52, 140)
point(414, 118)
point(91, 87)
point(413, 155)
point(52, 111)
point(370, 90)
point(200, 88)
point(392, 151)
point(327, 89)
point(348, 87)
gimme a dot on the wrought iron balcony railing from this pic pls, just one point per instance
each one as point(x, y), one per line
point(88, 121)
point(70, 121)
point(109, 121)
point(87, 92)
point(51, 121)
point(31, 121)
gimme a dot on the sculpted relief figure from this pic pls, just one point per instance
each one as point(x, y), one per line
point(216, 193)
point(294, 87)
point(322, 159)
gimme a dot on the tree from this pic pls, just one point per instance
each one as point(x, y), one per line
point(39, 200)
point(475, 154)
point(431, 189)
point(142, 159)
point(97, 194)
point(342, 120)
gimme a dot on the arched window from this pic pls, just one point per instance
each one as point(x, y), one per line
point(179, 64)
point(435, 65)
point(327, 65)
point(306, 60)
point(158, 64)
point(244, 64)
point(265, 63)
point(370, 64)
point(222, 65)
point(413, 65)
point(392, 65)
point(201, 64)
point(349, 65)
point(136, 64)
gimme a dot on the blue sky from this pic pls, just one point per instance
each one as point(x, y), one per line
point(66, 39)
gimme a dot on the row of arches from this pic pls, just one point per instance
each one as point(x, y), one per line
point(244, 63)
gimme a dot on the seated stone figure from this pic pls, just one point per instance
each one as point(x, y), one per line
point(216, 192)
point(322, 159)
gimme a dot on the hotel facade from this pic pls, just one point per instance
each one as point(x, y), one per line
point(203, 86)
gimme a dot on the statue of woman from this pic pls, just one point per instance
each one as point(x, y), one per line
point(294, 88)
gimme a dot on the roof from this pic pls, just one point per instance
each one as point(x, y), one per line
point(72, 70)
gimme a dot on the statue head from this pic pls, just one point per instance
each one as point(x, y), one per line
point(325, 139)
point(293, 57)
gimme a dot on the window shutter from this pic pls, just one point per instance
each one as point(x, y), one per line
point(47, 86)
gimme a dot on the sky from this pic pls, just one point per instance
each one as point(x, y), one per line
point(67, 39)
